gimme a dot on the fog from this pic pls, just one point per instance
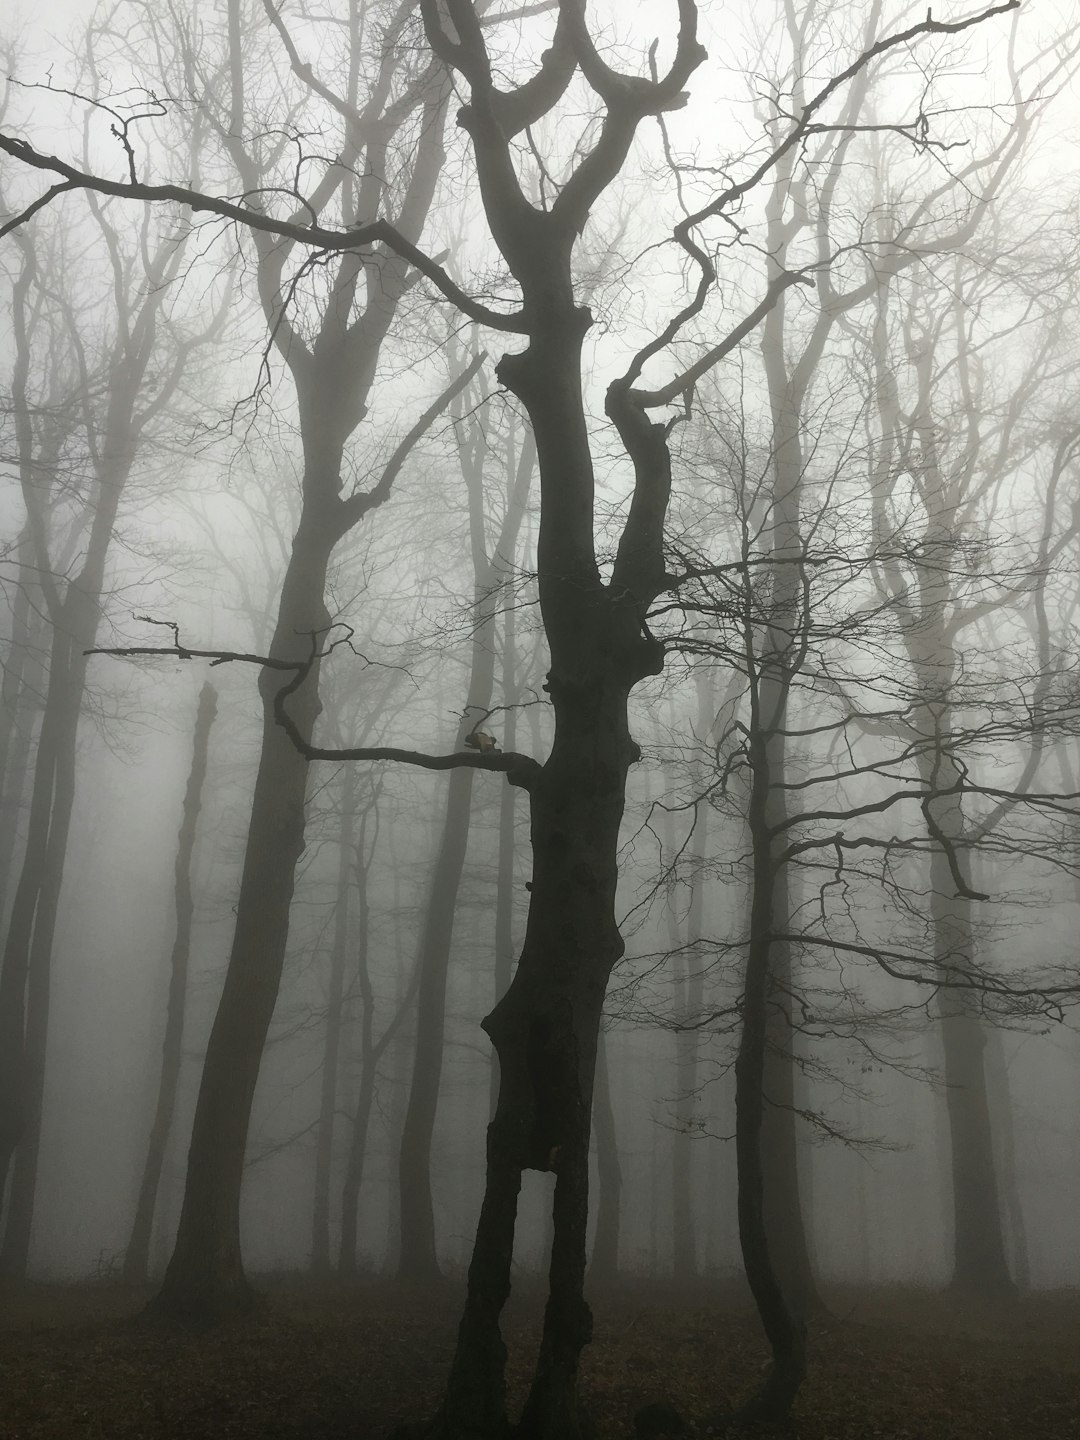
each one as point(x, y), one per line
point(539, 725)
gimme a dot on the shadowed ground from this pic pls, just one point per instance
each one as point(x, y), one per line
point(314, 1363)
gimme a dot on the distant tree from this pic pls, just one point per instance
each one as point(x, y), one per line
point(137, 1256)
point(122, 370)
point(954, 435)
point(489, 562)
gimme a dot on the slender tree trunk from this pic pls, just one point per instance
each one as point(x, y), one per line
point(25, 981)
point(687, 1039)
point(980, 1265)
point(369, 1059)
point(1001, 1102)
point(683, 1232)
point(371, 1052)
point(205, 1276)
point(137, 1258)
point(74, 611)
point(19, 700)
point(604, 1265)
point(979, 1260)
point(418, 1259)
point(504, 892)
point(328, 1089)
point(785, 1327)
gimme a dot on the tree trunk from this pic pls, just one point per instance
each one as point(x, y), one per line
point(369, 1059)
point(784, 1325)
point(137, 1259)
point(26, 979)
point(604, 1265)
point(24, 678)
point(328, 1089)
point(979, 1260)
point(504, 892)
point(1001, 1107)
point(205, 1276)
point(74, 608)
point(371, 1052)
point(544, 1030)
point(418, 1259)
point(980, 1265)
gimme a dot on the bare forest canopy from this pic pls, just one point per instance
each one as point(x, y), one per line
point(540, 718)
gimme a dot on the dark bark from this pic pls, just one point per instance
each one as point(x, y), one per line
point(544, 1029)
point(137, 1258)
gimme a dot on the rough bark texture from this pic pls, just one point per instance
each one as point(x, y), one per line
point(137, 1257)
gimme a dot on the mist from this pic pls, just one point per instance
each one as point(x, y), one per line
point(539, 721)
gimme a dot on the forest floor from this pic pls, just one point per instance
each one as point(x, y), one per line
point(329, 1362)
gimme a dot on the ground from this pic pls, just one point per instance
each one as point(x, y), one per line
point(329, 1362)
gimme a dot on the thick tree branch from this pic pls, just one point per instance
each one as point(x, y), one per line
point(319, 237)
point(519, 769)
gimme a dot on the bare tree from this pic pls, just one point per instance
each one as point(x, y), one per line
point(117, 407)
point(137, 1257)
point(545, 1027)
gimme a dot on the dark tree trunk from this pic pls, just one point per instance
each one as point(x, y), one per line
point(137, 1258)
point(785, 1208)
point(545, 1027)
point(205, 1276)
